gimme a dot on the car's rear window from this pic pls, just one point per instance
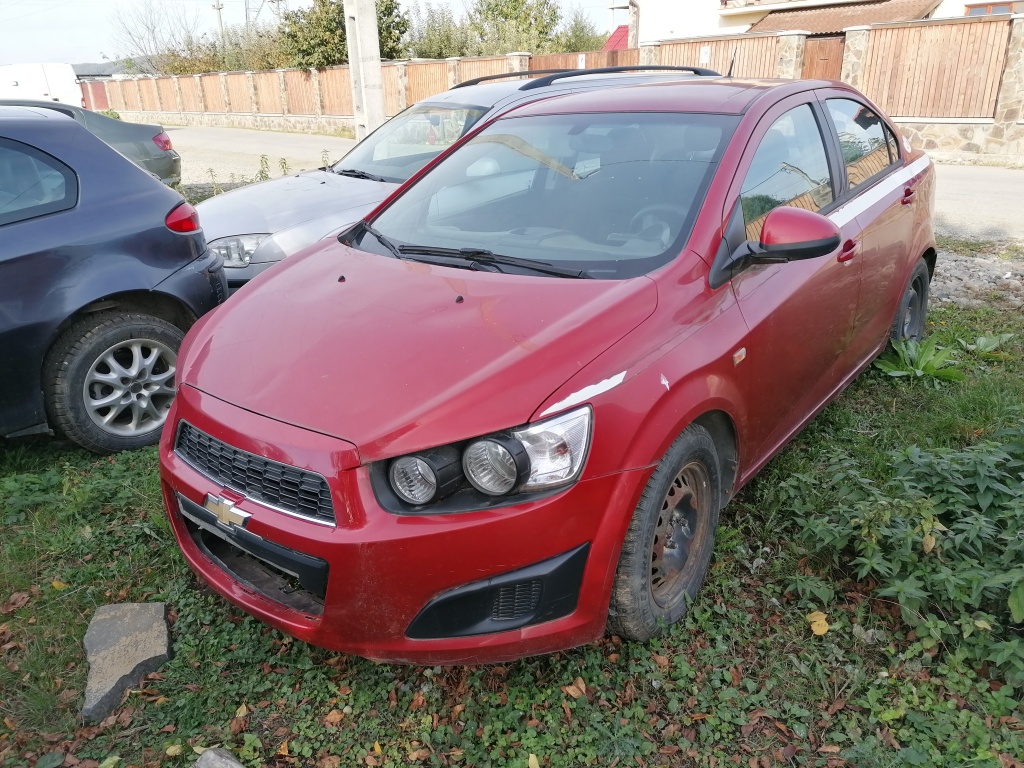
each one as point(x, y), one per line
point(614, 195)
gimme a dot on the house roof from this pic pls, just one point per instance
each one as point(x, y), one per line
point(618, 40)
point(835, 18)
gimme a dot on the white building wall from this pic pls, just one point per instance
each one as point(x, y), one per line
point(670, 19)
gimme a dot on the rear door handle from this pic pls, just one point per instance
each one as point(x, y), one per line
point(908, 196)
point(847, 252)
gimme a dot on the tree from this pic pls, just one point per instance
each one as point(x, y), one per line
point(315, 37)
point(505, 26)
point(435, 34)
point(144, 35)
point(579, 34)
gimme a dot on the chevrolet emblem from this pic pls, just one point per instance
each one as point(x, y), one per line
point(226, 512)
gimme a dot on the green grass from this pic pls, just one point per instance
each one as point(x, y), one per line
point(1008, 249)
point(742, 681)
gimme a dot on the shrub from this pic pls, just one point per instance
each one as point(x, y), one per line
point(943, 538)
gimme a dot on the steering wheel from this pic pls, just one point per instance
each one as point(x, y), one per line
point(655, 222)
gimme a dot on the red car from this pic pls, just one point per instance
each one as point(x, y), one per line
point(504, 411)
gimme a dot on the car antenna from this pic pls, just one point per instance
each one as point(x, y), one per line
point(731, 63)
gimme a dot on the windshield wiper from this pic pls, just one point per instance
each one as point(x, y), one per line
point(366, 227)
point(357, 174)
point(483, 256)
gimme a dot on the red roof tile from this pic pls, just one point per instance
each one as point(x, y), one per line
point(619, 39)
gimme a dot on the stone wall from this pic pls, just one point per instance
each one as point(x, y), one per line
point(324, 124)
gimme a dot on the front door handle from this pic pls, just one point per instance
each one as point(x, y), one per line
point(908, 196)
point(847, 252)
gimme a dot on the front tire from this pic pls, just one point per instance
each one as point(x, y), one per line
point(667, 549)
point(109, 380)
point(910, 318)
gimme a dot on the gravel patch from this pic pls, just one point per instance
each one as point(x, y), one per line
point(989, 277)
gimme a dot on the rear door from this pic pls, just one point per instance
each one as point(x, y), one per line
point(876, 192)
point(800, 315)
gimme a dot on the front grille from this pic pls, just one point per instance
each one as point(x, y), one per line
point(516, 600)
point(288, 489)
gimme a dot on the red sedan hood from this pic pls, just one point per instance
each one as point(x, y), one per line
point(397, 356)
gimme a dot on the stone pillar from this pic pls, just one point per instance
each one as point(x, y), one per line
point(855, 55)
point(156, 92)
point(177, 94)
point(202, 93)
point(650, 54)
point(790, 61)
point(1007, 135)
point(225, 95)
point(318, 99)
point(453, 71)
point(282, 91)
point(403, 85)
point(251, 82)
point(518, 61)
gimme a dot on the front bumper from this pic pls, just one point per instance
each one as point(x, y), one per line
point(399, 588)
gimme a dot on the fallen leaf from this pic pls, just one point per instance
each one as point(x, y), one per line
point(928, 543)
point(533, 762)
point(199, 750)
point(418, 701)
point(578, 689)
point(14, 602)
point(661, 661)
point(377, 749)
point(173, 751)
point(334, 717)
point(330, 761)
point(819, 625)
point(58, 585)
point(419, 754)
point(829, 748)
point(237, 725)
point(242, 711)
point(110, 761)
point(283, 749)
point(168, 728)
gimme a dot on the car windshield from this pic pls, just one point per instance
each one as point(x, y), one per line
point(410, 140)
point(611, 195)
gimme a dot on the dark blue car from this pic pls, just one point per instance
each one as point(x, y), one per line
point(102, 270)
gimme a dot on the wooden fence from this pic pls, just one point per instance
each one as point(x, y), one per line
point(949, 68)
point(941, 69)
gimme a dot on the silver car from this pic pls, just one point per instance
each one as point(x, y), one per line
point(256, 226)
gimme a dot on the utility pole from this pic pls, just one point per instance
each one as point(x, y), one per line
point(364, 65)
point(247, 21)
point(218, 7)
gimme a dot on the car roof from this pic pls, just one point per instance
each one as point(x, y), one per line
point(496, 93)
point(24, 111)
point(719, 95)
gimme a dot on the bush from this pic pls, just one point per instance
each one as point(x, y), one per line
point(111, 113)
point(943, 538)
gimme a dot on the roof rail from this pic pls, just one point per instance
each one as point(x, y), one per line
point(540, 82)
point(485, 78)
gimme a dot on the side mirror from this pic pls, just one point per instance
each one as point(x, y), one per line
point(792, 234)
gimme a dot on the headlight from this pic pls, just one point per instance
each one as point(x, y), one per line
point(543, 455)
point(236, 250)
point(495, 465)
point(556, 448)
point(426, 477)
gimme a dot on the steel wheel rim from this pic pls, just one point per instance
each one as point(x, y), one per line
point(129, 387)
point(683, 515)
point(910, 315)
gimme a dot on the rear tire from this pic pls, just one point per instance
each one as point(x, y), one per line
point(109, 380)
point(913, 310)
point(667, 549)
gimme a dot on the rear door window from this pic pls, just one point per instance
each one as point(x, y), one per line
point(789, 167)
point(32, 183)
point(868, 146)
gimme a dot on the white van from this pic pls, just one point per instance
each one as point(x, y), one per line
point(40, 82)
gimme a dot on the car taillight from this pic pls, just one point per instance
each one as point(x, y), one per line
point(162, 140)
point(183, 219)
